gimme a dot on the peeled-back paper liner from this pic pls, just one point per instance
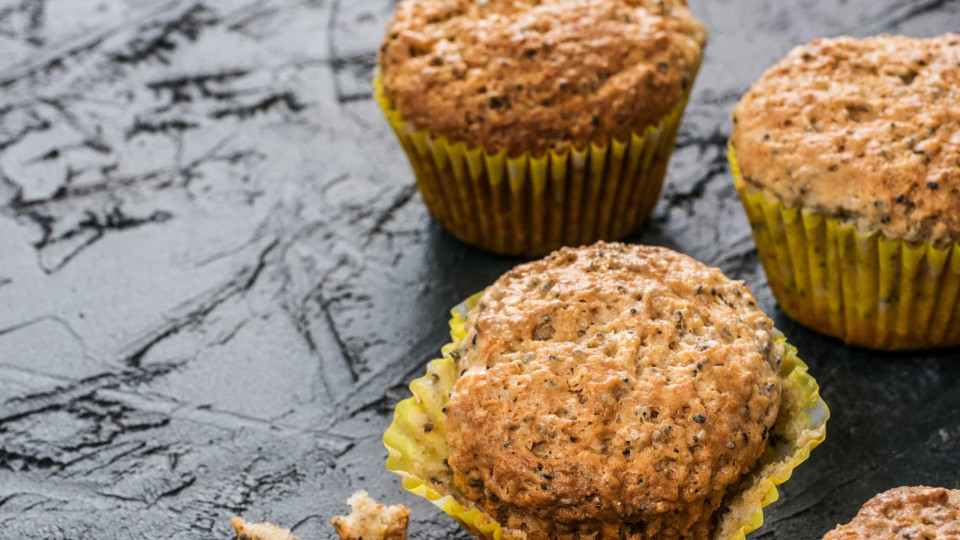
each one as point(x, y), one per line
point(866, 289)
point(528, 205)
point(417, 447)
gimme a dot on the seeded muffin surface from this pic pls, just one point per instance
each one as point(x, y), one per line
point(533, 75)
point(867, 130)
point(612, 383)
point(917, 513)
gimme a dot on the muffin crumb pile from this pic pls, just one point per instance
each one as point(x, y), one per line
point(371, 521)
point(260, 531)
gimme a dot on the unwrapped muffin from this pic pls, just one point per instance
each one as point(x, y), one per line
point(530, 124)
point(914, 513)
point(847, 158)
point(610, 391)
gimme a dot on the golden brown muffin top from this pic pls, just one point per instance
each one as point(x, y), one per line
point(613, 383)
point(864, 129)
point(533, 75)
point(917, 513)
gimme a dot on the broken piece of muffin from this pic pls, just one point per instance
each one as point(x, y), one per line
point(371, 521)
point(260, 531)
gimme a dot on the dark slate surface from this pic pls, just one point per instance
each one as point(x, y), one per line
point(216, 276)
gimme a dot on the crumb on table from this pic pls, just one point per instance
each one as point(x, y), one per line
point(260, 531)
point(371, 521)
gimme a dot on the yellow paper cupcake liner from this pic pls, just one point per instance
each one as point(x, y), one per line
point(866, 289)
point(417, 447)
point(528, 205)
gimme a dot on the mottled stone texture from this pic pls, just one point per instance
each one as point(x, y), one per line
point(216, 276)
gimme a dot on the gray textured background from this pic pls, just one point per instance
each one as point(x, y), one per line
point(216, 276)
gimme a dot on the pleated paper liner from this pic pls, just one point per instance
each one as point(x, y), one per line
point(417, 449)
point(865, 289)
point(530, 205)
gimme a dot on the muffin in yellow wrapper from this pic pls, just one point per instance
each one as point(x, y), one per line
point(866, 289)
point(417, 448)
point(529, 205)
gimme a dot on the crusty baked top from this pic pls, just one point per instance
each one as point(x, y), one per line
point(917, 513)
point(532, 75)
point(613, 383)
point(868, 130)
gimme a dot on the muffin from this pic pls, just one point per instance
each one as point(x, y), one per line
point(846, 155)
point(609, 391)
point(917, 513)
point(534, 124)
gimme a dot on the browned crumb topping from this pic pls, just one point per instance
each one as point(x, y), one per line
point(371, 521)
point(865, 129)
point(612, 383)
point(907, 513)
point(260, 531)
point(532, 75)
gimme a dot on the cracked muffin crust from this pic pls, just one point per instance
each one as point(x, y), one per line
point(863, 129)
point(611, 387)
point(533, 75)
point(914, 513)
